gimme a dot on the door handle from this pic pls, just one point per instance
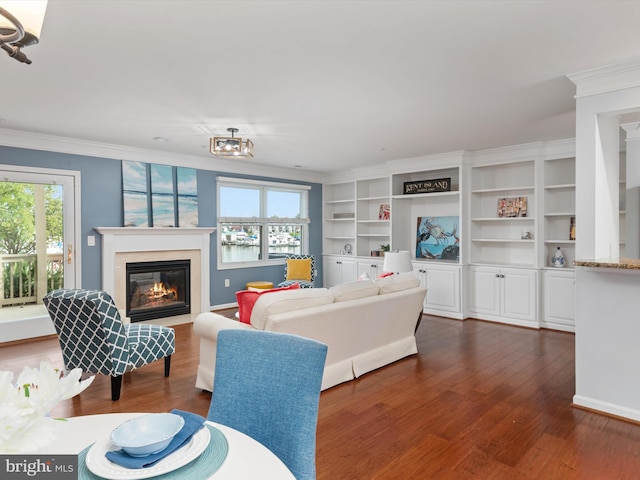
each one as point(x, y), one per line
point(69, 253)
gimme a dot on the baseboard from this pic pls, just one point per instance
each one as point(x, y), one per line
point(599, 406)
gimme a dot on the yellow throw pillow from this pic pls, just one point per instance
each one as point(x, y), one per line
point(299, 269)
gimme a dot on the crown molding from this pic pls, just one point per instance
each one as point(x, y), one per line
point(632, 130)
point(513, 153)
point(50, 143)
point(559, 149)
point(608, 78)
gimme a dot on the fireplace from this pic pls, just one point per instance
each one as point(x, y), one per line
point(158, 289)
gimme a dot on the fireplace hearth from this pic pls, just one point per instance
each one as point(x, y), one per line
point(158, 289)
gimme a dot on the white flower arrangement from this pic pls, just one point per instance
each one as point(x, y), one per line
point(25, 426)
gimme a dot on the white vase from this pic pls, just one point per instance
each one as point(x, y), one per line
point(558, 258)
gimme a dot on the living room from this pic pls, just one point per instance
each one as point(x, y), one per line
point(362, 90)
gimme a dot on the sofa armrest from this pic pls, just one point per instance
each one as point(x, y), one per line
point(208, 324)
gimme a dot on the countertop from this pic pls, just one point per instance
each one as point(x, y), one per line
point(621, 263)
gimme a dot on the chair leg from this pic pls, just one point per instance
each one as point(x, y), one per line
point(167, 365)
point(116, 386)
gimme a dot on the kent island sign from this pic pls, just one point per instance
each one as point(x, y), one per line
point(428, 186)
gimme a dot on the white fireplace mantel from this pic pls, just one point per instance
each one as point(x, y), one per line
point(127, 240)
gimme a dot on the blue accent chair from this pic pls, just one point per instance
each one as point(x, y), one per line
point(92, 336)
point(288, 280)
point(267, 385)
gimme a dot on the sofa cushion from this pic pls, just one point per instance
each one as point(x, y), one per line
point(286, 301)
point(353, 290)
point(395, 283)
point(248, 298)
point(299, 269)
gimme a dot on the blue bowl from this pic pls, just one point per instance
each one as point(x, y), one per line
point(147, 434)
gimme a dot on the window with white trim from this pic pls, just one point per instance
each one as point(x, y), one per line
point(260, 222)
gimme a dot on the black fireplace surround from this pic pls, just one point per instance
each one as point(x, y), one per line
point(158, 289)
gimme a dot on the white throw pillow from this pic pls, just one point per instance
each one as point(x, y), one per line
point(397, 282)
point(287, 301)
point(353, 290)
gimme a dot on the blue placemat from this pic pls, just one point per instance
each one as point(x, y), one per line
point(201, 468)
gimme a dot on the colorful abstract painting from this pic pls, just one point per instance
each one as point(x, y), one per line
point(135, 194)
point(438, 238)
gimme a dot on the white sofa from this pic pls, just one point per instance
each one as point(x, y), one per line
point(366, 324)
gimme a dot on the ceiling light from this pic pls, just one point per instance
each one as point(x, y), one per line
point(231, 146)
point(20, 26)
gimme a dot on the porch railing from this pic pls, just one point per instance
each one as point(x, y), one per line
point(19, 283)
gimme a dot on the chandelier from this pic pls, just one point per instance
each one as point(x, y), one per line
point(20, 26)
point(231, 146)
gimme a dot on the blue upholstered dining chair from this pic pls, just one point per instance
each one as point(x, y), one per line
point(267, 385)
point(299, 269)
point(93, 337)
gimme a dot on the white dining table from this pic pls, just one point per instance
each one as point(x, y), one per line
point(246, 457)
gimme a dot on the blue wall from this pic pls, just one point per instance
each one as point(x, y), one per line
point(101, 206)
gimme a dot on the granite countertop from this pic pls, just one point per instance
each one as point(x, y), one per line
point(621, 263)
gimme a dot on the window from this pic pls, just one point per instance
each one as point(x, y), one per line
point(260, 222)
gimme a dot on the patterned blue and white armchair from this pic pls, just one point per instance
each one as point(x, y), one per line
point(299, 269)
point(93, 337)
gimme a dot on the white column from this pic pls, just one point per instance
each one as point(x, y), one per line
point(602, 95)
point(597, 177)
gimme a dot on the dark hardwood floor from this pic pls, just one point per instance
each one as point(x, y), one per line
point(480, 400)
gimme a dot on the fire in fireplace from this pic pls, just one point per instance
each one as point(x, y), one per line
point(158, 289)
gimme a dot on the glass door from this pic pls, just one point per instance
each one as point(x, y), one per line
point(37, 239)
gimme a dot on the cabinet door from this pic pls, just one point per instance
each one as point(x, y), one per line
point(559, 299)
point(519, 293)
point(443, 288)
point(421, 272)
point(484, 290)
point(347, 270)
point(331, 271)
point(370, 267)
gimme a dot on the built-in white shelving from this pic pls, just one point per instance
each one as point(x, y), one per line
point(490, 184)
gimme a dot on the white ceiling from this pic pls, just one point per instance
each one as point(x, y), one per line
point(323, 85)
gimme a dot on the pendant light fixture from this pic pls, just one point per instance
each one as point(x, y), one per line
point(231, 146)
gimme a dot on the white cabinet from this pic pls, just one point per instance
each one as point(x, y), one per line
point(507, 295)
point(443, 288)
point(372, 267)
point(559, 300)
point(338, 269)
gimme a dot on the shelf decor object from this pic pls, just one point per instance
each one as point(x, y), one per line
point(512, 207)
point(344, 215)
point(558, 258)
point(385, 212)
point(572, 228)
point(437, 238)
point(427, 186)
